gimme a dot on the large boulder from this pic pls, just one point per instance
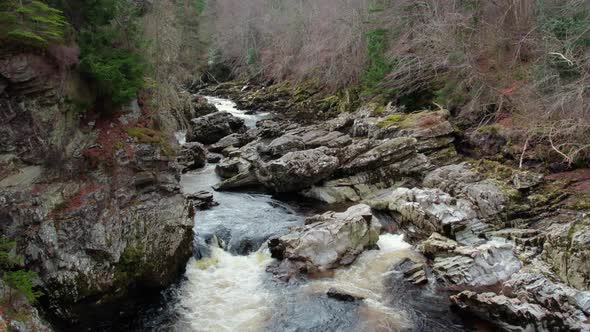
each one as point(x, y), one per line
point(529, 302)
point(327, 241)
point(192, 156)
point(297, 170)
point(211, 128)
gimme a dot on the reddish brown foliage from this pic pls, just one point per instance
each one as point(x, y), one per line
point(579, 179)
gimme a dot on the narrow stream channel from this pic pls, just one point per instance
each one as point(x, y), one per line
point(229, 289)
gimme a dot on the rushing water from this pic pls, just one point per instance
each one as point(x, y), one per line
point(226, 287)
point(225, 105)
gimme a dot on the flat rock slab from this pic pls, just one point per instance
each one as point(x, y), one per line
point(25, 177)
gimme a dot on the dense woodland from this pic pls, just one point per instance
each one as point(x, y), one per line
point(484, 60)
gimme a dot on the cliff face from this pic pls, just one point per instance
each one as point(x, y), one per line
point(93, 200)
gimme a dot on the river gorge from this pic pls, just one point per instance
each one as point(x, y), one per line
point(227, 288)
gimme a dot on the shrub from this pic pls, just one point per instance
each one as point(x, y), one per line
point(6, 259)
point(22, 282)
point(19, 281)
point(199, 5)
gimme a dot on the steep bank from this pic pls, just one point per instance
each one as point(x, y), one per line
point(91, 199)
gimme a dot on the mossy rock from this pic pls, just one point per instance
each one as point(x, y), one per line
point(151, 136)
point(494, 128)
point(424, 119)
point(494, 169)
point(580, 202)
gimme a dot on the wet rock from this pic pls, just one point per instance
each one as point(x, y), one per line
point(343, 296)
point(214, 158)
point(142, 238)
point(193, 155)
point(413, 272)
point(201, 200)
point(200, 107)
point(211, 128)
point(510, 314)
point(235, 140)
point(241, 180)
point(333, 192)
point(330, 241)
point(476, 266)
point(297, 170)
point(526, 180)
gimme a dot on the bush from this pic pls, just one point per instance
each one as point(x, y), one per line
point(32, 23)
point(19, 281)
point(6, 259)
point(22, 282)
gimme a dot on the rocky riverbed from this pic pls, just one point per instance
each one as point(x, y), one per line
point(370, 219)
point(495, 243)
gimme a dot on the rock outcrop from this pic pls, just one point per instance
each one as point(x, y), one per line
point(193, 155)
point(567, 248)
point(477, 266)
point(95, 240)
point(92, 201)
point(529, 302)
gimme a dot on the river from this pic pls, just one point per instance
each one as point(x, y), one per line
point(226, 286)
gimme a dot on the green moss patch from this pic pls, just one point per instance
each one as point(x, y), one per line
point(151, 136)
point(425, 119)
